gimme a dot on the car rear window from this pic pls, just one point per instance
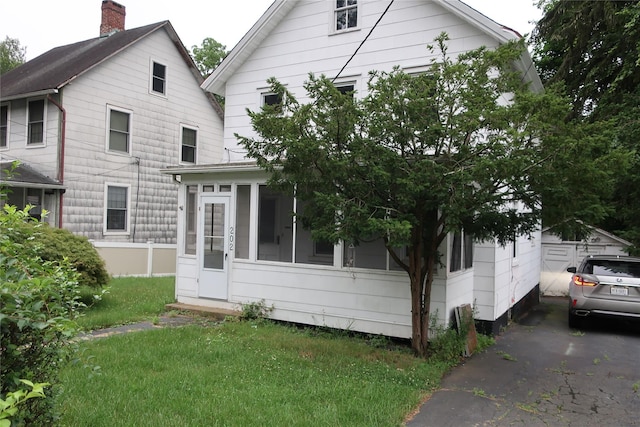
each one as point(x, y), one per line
point(613, 268)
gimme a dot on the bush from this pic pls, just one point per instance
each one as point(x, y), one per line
point(55, 244)
point(38, 305)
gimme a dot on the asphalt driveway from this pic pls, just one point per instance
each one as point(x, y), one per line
point(541, 373)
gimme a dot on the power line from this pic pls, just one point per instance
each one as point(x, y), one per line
point(363, 41)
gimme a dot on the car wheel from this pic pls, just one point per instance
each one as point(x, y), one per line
point(575, 322)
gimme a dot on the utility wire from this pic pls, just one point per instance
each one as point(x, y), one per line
point(363, 41)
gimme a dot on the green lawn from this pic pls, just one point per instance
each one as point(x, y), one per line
point(234, 374)
point(128, 300)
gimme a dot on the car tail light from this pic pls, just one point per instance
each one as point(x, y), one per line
point(580, 281)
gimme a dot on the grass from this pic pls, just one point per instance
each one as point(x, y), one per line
point(128, 300)
point(235, 373)
point(243, 374)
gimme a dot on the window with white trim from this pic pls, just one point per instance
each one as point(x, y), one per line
point(119, 127)
point(346, 14)
point(158, 78)
point(35, 122)
point(116, 208)
point(4, 126)
point(188, 144)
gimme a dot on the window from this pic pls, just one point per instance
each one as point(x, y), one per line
point(456, 253)
point(117, 214)
point(272, 100)
point(4, 126)
point(36, 122)
point(188, 144)
point(158, 78)
point(191, 214)
point(275, 225)
point(243, 220)
point(461, 252)
point(346, 88)
point(119, 130)
point(346, 14)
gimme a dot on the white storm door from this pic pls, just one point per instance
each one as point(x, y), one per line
point(214, 247)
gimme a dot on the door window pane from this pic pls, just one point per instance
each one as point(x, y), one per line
point(214, 224)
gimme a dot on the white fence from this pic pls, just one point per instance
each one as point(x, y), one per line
point(138, 259)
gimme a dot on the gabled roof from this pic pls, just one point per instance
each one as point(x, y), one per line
point(215, 83)
point(25, 176)
point(54, 69)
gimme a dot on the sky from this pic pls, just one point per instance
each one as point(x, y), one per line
point(41, 25)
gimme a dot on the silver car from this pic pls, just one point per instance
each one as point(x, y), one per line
point(604, 286)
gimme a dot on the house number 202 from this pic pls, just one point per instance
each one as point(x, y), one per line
point(230, 239)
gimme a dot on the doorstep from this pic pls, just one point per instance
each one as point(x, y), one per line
point(216, 313)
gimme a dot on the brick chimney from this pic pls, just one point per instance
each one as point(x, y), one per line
point(112, 17)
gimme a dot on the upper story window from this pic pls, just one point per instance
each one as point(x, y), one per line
point(4, 126)
point(158, 78)
point(346, 88)
point(119, 126)
point(346, 14)
point(188, 144)
point(272, 99)
point(35, 122)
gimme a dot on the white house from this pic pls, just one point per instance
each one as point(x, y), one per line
point(94, 121)
point(237, 241)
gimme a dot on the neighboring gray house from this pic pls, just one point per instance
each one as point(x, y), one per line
point(237, 240)
point(94, 121)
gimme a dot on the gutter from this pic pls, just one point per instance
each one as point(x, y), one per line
point(61, 158)
point(28, 95)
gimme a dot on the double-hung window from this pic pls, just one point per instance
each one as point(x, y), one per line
point(4, 126)
point(158, 78)
point(188, 144)
point(346, 14)
point(119, 125)
point(35, 132)
point(117, 208)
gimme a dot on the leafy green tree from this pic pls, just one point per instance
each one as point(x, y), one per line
point(421, 156)
point(593, 49)
point(11, 54)
point(209, 55)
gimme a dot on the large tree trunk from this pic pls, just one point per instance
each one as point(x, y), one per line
point(422, 263)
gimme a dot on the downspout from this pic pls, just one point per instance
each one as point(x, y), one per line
point(61, 160)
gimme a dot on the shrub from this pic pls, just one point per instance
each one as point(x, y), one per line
point(55, 244)
point(38, 305)
point(256, 310)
